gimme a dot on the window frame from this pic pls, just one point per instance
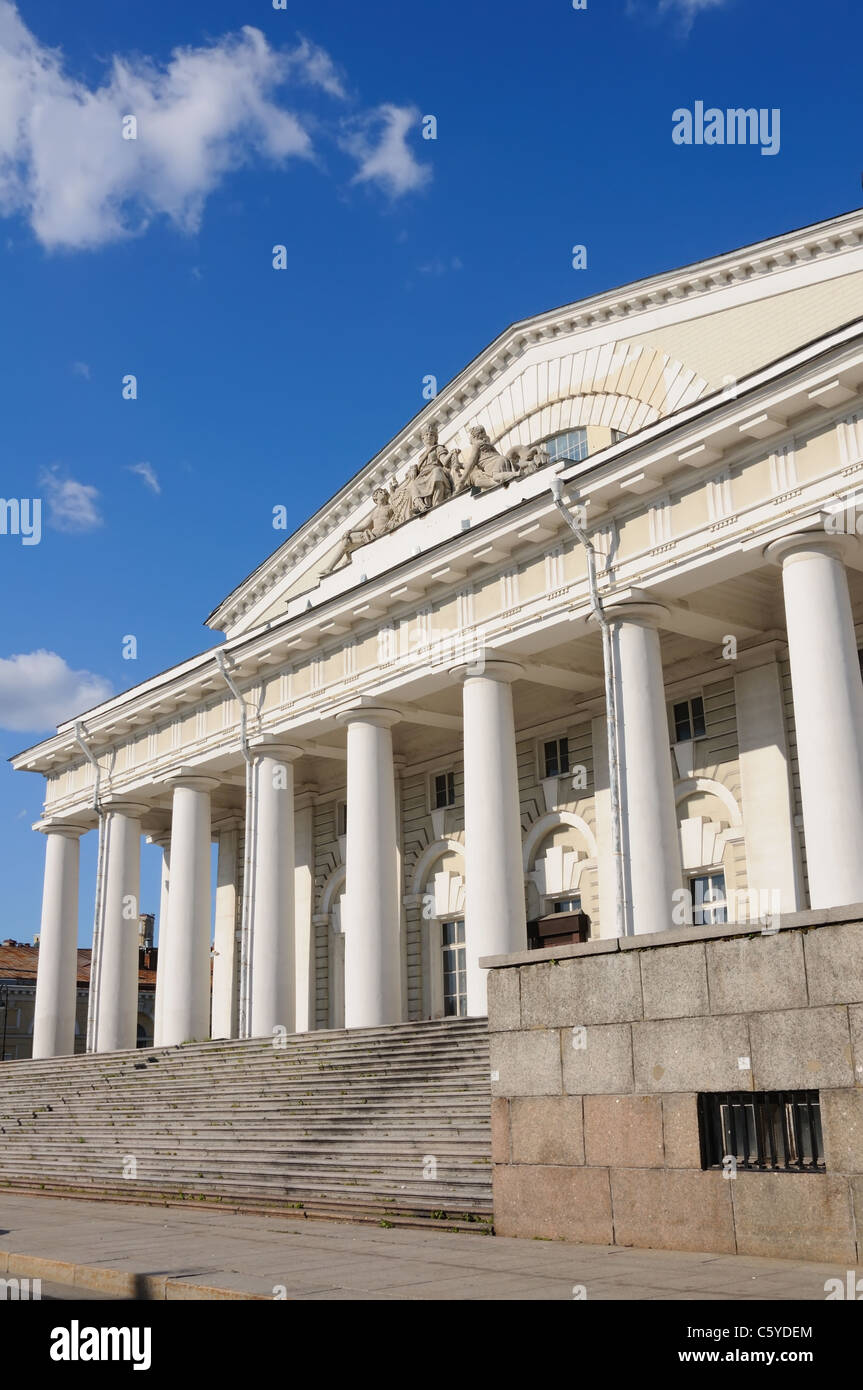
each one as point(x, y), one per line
point(458, 950)
point(542, 757)
point(709, 905)
point(449, 774)
point(689, 701)
point(581, 431)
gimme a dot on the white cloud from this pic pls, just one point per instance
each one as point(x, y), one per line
point(379, 144)
point(686, 10)
point(72, 506)
point(39, 691)
point(65, 165)
point(147, 472)
point(439, 265)
point(690, 9)
point(82, 369)
point(317, 67)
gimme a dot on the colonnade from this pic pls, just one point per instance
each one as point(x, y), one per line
point(828, 707)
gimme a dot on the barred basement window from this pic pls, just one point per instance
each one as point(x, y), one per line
point(764, 1131)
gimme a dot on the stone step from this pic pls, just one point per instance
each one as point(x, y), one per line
point(299, 1187)
point(287, 1139)
point(267, 1072)
point(410, 1036)
point(337, 1122)
point(475, 1222)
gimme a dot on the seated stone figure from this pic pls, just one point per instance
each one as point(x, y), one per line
point(407, 498)
point(434, 479)
point(380, 521)
point(482, 466)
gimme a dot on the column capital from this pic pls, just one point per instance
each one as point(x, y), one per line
point(123, 807)
point(57, 827)
point(263, 747)
point(189, 777)
point(488, 668)
point(803, 543)
point(377, 715)
point(633, 610)
point(162, 838)
point(230, 822)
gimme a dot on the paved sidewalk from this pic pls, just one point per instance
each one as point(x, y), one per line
point(162, 1252)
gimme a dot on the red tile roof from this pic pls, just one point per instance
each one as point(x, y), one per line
point(20, 963)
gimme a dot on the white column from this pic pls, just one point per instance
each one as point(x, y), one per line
point(828, 714)
point(119, 908)
point(271, 888)
point(371, 903)
point(772, 849)
point(304, 906)
point(225, 977)
point(186, 997)
point(651, 846)
point(495, 922)
point(164, 842)
point(56, 980)
point(605, 868)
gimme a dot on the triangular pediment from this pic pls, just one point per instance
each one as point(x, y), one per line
point(589, 375)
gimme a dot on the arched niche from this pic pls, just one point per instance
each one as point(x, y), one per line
point(438, 885)
point(710, 828)
point(560, 856)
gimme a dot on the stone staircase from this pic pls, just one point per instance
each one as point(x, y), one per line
point(389, 1125)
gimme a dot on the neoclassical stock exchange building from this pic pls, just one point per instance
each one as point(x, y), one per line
point(442, 718)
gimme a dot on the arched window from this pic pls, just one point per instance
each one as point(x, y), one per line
point(571, 445)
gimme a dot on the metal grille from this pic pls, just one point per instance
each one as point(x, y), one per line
point(765, 1131)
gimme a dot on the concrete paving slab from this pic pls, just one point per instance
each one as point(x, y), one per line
point(166, 1253)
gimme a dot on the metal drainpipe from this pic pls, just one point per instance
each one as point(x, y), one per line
point(249, 839)
point(610, 706)
point(96, 954)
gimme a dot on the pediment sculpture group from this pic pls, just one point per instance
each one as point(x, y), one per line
point(438, 474)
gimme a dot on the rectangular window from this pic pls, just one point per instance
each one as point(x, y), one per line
point(454, 970)
point(689, 719)
point(555, 757)
point(709, 906)
point(617, 435)
point(443, 788)
point(567, 905)
point(766, 1131)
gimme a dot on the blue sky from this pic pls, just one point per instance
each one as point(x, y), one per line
point(256, 387)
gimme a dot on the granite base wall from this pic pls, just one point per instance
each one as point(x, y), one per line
point(598, 1054)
